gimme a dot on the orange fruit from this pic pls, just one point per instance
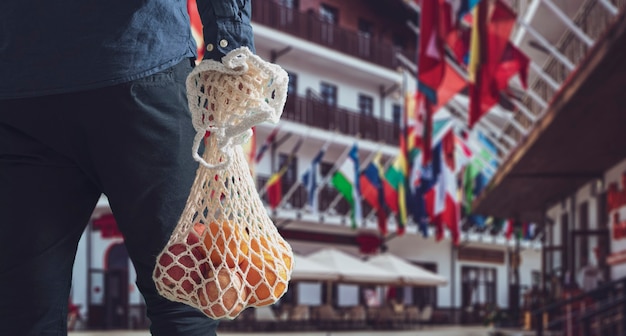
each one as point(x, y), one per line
point(263, 272)
point(226, 244)
point(224, 297)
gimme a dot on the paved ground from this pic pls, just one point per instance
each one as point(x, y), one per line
point(426, 331)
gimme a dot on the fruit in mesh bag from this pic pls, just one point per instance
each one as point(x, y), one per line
point(227, 244)
point(184, 263)
point(266, 271)
point(224, 296)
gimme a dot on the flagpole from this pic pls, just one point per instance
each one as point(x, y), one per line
point(299, 182)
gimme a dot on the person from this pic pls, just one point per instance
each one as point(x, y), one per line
point(93, 101)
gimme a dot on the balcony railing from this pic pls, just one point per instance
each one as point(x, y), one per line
point(593, 20)
point(308, 26)
point(315, 113)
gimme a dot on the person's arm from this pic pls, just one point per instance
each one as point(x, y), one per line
point(226, 26)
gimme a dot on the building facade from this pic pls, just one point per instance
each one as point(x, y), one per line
point(350, 64)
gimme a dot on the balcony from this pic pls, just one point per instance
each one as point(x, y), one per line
point(315, 113)
point(308, 26)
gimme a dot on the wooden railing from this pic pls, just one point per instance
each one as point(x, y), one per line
point(600, 311)
point(308, 26)
point(315, 113)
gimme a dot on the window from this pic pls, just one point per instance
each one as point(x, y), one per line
point(290, 175)
point(329, 94)
point(287, 9)
point(364, 37)
point(478, 286)
point(292, 86)
point(329, 17)
point(425, 296)
point(366, 105)
point(289, 3)
point(365, 28)
point(397, 115)
point(329, 14)
point(398, 41)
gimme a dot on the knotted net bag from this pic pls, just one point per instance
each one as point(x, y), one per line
point(225, 253)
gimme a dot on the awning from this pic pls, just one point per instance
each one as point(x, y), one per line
point(409, 274)
point(582, 135)
point(309, 270)
point(352, 269)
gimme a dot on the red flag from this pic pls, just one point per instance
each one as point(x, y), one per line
point(431, 54)
point(273, 186)
point(513, 62)
point(452, 83)
point(274, 189)
point(490, 38)
point(508, 233)
point(451, 212)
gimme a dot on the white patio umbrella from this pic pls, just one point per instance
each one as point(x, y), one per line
point(352, 269)
point(309, 270)
point(409, 273)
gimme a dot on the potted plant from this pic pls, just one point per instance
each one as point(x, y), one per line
point(494, 316)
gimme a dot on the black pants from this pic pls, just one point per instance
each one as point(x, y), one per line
point(58, 154)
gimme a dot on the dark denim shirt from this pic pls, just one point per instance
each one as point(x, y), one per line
point(50, 47)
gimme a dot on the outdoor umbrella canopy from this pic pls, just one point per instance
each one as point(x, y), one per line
point(305, 269)
point(353, 270)
point(409, 273)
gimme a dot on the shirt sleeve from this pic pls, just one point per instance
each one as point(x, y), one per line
point(226, 26)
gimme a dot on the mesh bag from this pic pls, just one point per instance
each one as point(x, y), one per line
point(225, 253)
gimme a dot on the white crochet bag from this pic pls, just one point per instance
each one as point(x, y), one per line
point(225, 253)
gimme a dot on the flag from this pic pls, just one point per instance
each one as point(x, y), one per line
point(267, 144)
point(346, 181)
point(513, 62)
point(425, 112)
point(415, 198)
point(309, 179)
point(492, 26)
point(372, 191)
point(430, 61)
point(455, 25)
point(196, 27)
point(274, 189)
point(396, 187)
point(463, 154)
point(451, 84)
point(446, 207)
point(509, 229)
point(529, 232)
point(423, 175)
point(273, 186)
